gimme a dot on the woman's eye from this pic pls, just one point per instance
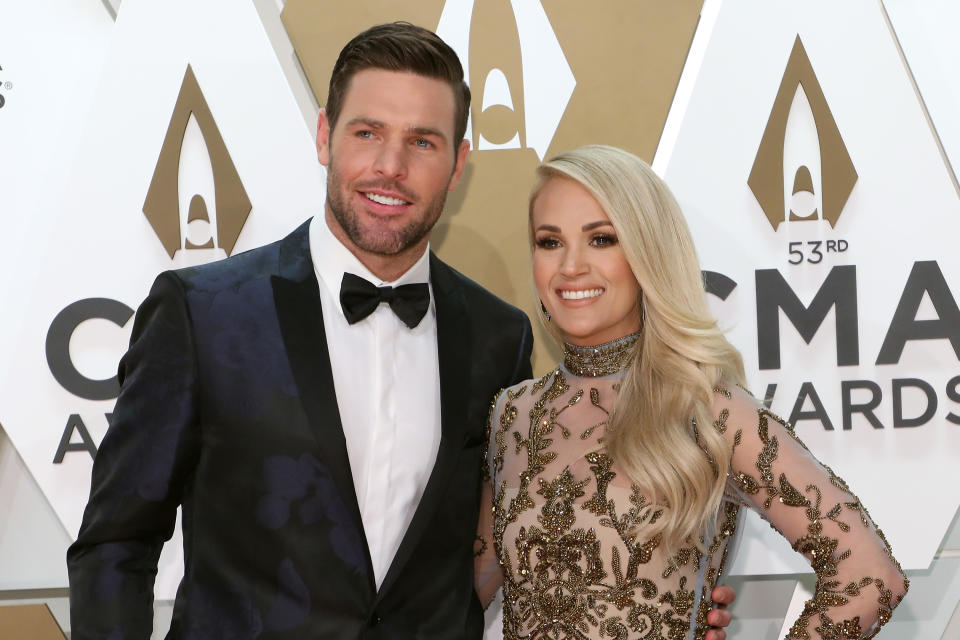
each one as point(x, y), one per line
point(548, 242)
point(603, 240)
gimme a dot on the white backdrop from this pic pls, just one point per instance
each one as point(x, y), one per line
point(903, 209)
point(87, 101)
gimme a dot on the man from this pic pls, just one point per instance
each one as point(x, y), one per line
point(325, 446)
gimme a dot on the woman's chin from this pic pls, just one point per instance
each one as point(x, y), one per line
point(584, 337)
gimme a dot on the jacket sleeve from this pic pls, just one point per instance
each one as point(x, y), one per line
point(523, 369)
point(139, 473)
point(858, 580)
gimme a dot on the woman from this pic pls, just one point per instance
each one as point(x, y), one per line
point(616, 480)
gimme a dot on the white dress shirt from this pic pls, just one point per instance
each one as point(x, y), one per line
point(387, 381)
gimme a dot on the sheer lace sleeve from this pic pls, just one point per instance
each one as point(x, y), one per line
point(487, 573)
point(858, 580)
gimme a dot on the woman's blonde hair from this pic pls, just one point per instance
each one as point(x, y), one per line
point(660, 430)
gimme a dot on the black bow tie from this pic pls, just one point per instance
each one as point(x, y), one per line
point(359, 298)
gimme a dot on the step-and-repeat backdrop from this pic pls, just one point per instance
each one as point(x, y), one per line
point(809, 144)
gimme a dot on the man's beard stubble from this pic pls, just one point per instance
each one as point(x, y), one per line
point(386, 242)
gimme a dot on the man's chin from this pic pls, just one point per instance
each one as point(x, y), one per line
point(384, 244)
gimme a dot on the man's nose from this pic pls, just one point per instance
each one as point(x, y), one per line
point(391, 160)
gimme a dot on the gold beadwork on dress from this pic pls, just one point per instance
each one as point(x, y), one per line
point(601, 360)
point(568, 524)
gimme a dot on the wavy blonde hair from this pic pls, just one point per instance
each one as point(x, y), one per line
point(660, 429)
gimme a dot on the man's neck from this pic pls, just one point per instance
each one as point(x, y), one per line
point(386, 267)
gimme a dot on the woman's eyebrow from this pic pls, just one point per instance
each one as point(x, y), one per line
point(594, 225)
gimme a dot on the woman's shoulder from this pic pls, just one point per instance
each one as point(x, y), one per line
point(730, 400)
point(528, 388)
point(734, 405)
point(509, 403)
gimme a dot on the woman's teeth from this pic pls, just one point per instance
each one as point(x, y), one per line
point(580, 295)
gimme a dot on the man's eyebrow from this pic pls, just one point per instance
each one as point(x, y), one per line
point(378, 124)
point(370, 122)
point(594, 225)
point(427, 131)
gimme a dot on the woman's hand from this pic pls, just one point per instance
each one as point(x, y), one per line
point(719, 618)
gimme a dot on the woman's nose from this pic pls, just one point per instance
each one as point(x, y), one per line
point(574, 262)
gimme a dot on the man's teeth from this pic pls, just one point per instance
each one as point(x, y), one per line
point(580, 295)
point(376, 197)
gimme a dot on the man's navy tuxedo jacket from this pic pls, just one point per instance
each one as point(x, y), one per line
point(227, 407)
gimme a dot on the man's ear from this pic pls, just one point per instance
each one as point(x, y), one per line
point(461, 162)
point(323, 138)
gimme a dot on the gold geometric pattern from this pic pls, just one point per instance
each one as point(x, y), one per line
point(162, 207)
point(837, 170)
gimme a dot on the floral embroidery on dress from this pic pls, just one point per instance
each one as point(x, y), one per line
point(568, 523)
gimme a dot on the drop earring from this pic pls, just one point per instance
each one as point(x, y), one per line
point(546, 314)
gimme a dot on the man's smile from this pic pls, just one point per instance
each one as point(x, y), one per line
point(384, 199)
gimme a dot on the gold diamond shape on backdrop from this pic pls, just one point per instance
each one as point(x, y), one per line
point(162, 207)
point(838, 174)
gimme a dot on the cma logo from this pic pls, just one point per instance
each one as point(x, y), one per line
point(802, 170)
point(520, 79)
point(196, 199)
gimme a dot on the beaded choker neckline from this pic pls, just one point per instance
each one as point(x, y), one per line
point(599, 360)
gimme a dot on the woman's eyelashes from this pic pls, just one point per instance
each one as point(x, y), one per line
point(599, 240)
point(547, 242)
point(603, 240)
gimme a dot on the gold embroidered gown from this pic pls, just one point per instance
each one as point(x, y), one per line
point(562, 511)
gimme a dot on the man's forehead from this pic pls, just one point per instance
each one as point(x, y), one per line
point(399, 98)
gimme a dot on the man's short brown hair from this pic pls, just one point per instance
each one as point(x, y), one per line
point(400, 46)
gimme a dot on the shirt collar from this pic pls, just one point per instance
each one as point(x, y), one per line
point(331, 260)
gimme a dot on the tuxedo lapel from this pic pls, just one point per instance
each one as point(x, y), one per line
point(297, 300)
point(453, 347)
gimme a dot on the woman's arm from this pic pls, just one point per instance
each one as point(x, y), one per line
point(858, 580)
point(488, 577)
point(486, 569)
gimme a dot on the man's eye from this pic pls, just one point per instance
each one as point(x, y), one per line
point(548, 242)
point(423, 143)
point(603, 240)
point(365, 134)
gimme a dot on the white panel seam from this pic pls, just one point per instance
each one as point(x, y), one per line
point(923, 103)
